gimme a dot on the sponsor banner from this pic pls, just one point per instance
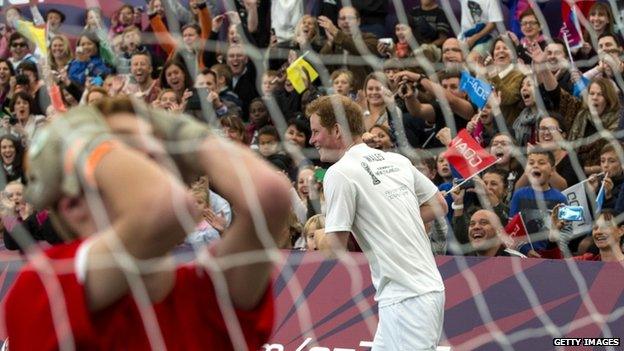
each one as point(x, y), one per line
point(328, 305)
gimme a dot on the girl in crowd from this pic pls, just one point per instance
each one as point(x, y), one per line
point(313, 225)
point(506, 79)
point(11, 14)
point(379, 105)
point(302, 187)
point(122, 19)
point(483, 126)
point(443, 169)
point(307, 34)
point(525, 126)
point(379, 137)
point(258, 118)
point(167, 100)
point(27, 123)
point(606, 236)
point(233, 128)
point(176, 77)
point(93, 20)
point(11, 152)
point(504, 147)
point(88, 63)
point(611, 167)
point(601, 21)
point(211, 226)
point(298, 133)
point(587, 117)
point(7, 73)
point(60, 53)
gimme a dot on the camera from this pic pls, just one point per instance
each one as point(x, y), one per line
point(404, 88)
point(468, 185)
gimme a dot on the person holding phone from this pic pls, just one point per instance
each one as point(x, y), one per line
point(607, 236)
point(88, 62)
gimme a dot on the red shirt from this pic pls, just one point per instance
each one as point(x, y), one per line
point(588, 257)
point(189, 317)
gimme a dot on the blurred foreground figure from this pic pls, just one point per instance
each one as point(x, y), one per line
point(98, 291)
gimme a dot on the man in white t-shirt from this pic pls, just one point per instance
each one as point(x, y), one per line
point(478, 22)
point(383, 200)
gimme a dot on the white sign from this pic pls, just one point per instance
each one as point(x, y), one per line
point(15, 2)
point(576, 196)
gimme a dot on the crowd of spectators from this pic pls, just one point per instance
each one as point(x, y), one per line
point(553, 120)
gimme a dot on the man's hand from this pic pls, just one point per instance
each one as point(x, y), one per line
point(444, 136)
point(328, 26)
point(217, 22)
point(233, 17)
point(214, 99)
point(332, 244)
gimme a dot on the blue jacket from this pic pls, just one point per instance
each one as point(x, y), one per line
point(79, 71)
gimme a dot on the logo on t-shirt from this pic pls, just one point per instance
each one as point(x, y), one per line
point(370, 173)
point(475, 11)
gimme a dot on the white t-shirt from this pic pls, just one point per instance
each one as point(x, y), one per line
point(479, 11)
point(377, 195)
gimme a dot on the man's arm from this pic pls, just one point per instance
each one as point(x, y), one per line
point(126, 181)
point(461, 107)
point(333, 244)
point(252, 15)
point(435, 207)
point(489, 27)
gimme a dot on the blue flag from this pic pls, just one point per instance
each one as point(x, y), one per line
point(600, 197)
point(579, 86)
point(478, 90)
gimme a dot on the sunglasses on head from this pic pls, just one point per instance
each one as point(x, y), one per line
point(17, 45)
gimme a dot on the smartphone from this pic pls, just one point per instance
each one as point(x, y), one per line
point(97, 81)
point(404, 89)
point(387, 41)
point(319, 174)
point(571, 213)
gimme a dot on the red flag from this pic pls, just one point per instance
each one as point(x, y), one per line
point(57, 100)
point(467, 156)
point(517, 231)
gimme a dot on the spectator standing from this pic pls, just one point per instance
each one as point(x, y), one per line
point(478, 23)
point(430, 23)
point(347, 40)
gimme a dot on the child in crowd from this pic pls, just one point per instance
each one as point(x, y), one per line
point(314, 225)
point(269, 148)
point(533, 201)
point(611, 168)
point(212, 224)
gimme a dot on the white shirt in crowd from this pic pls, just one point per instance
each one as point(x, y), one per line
point(479, 11)
point(377, 196)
